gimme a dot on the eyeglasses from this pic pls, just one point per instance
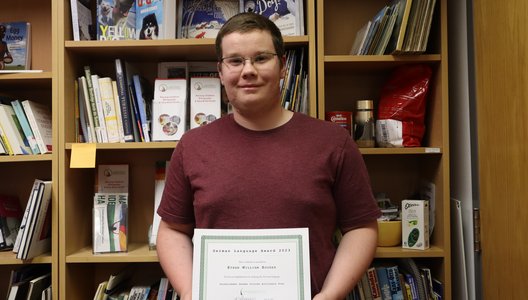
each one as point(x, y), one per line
point(259, 61)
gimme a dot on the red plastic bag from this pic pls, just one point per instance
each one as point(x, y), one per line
point(401, 109)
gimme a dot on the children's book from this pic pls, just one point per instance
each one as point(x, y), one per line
point(155, 19)
point(204, 18)
point(116, 20)
point(288, 15)
point(15, 46)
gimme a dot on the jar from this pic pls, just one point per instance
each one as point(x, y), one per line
point(364, 124)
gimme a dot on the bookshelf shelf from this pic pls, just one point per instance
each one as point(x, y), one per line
point(395, 151)
point(122, 146)
point(26, 158)
point(395, 252)
point(9, 258)
point(137, 253)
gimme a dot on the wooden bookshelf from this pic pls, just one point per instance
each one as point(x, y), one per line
point(17, 173)
point(344, 78)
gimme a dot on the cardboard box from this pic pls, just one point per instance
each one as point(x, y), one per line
point(415, 224)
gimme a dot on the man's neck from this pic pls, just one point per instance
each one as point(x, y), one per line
point(263, 121)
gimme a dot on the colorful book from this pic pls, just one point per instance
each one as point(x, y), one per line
point(13, 131)
point(288, 15)
point(155, 19)
point(39, 117)
point(143, 102)
point(116, 20)
point(26, 128)
point(204, 18)
point(15, 46)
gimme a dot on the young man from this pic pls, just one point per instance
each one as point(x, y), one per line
point(266, 167)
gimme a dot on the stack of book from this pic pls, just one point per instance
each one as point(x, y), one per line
point(401, 27)
point(25, 127)
point(294, 86)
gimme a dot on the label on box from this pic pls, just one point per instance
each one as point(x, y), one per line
point(415, 224)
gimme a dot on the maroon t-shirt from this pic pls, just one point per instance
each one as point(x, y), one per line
point(306, 173)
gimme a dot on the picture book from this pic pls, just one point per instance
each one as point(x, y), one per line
point(116, 20)
point(110, 222)
point(286, 14)
point(169, 109)
point(155, 19)
point(204, 18)
point(15, 46)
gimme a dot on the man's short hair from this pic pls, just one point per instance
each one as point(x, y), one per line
point(247, 22)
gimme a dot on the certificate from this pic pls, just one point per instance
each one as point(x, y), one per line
point(255, 264)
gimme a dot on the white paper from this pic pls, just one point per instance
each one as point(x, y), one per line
point(258, 264)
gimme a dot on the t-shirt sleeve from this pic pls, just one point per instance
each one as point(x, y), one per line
point(355, 202)
point(176, 204)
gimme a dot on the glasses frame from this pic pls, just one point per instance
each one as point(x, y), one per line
point(244, 59)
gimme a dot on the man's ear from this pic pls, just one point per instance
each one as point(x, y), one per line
point(219, 68)
point(283, 68)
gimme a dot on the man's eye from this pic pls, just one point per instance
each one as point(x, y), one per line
point(235, 61)
point(261, 58)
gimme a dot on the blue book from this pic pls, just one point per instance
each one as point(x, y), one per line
point(26, 128)
point(383, 281)
point(15, 46)
point(394, 283)
point(143, 99)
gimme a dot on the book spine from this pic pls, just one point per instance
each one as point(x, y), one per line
point(26, 128)
point(124, 102)
point(32, 118)
point(374, 284)
point(118, 112)
point(103, 137)
point(91, 98)
point(109, 110)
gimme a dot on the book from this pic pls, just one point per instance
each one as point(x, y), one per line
point(144, 102)
point(15, 46)
point(124, 101)
point(13, 131)
point(93, 104)
point(101, 133)
point(360, 39)
point(159, 186)
point(84, 101)
point(155, 19)
point(394, 282)
point(110, 222)
point(383, 282)
point(288, 15)
point(26, 128)
point(11, 214)
point(204, 18)
point(109, 109)
point(375, 290)
point(163, 288)
point(395, 44)
point(81, 16)
point(118, 112)
point(37, 286)
point(39, 117)
point(169, 109)
point(205, 100)
point(116, 20)
point(36, 238)
point(116, 281)
point(32, 196)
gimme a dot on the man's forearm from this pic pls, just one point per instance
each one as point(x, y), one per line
point(354, 254)
point(174, 247)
